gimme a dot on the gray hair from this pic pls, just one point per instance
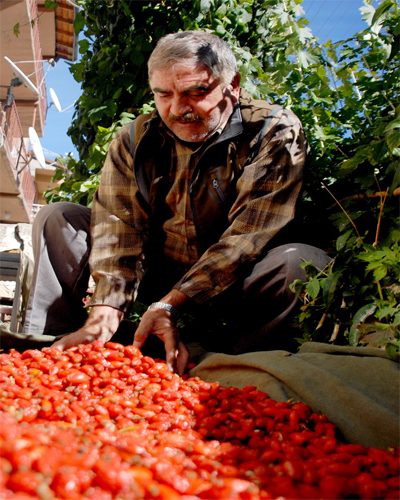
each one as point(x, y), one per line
point(203, 48)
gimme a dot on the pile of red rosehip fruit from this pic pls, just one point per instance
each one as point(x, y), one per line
point(103, 422)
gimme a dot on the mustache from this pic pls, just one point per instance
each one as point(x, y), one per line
point(187, 117)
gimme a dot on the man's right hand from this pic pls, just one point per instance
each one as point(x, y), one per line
point(102, 323)
point(159, 322)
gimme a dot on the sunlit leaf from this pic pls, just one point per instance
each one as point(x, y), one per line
point(382, 12)
point(306, 59)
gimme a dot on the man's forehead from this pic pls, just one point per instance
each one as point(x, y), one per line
point(184, 75)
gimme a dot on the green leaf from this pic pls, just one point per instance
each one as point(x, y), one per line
point(388, 311)
point(49, 4)
point(137, 58)
point(296, 287)
point(313, 287)
point(220, 30)
point(330, 286)
point(393, 140)
point(76, 186)
point(363, 313)
point(126, 8)
point(392, 350)
point(320, 99)
point(306, 59)
point(79, 22)
point(381, 12)
point(304, 34)
point(83, 46)
point(394, 48)
point(205, 6)
point(96, 114)
point(354, 335)
point(394, 124)
point(342, 239)
point(126, 118)
point(117, 94)
point(380, 273)
point(58, 175)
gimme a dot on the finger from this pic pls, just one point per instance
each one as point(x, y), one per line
point(59, 345)
point(139, 338)
point(171, 345)
point(73, 339)
point(65, 343)
point(183, 358)
point(171, 360)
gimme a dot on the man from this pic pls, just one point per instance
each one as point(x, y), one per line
point(193, 204)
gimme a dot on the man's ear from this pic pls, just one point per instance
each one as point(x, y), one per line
point(234, 86)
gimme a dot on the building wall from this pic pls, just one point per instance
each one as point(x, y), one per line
point(43, 34)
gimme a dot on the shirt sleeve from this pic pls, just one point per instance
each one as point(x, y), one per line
point(118, 237)
point(267, 194)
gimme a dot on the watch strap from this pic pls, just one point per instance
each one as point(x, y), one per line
point(168, 307)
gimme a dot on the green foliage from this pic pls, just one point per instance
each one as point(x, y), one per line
point(355, 299)
point(346, 95)
point(136, 313)
point(50, 4)
point(80, 180)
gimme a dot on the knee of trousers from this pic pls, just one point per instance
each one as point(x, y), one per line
point(281, 267)
point(51, 218)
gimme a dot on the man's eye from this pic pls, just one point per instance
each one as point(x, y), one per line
point(197, 93)
point(162, 95)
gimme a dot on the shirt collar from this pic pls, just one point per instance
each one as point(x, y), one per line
point(234, 125)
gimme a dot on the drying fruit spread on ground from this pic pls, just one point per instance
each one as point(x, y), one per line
point(104, 422)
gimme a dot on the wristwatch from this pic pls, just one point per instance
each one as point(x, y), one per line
point(168, 307)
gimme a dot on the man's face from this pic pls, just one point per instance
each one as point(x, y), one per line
point(191, 102)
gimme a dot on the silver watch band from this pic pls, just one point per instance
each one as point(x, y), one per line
point(168, 307)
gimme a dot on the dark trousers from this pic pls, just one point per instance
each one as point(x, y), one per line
point(254, 314)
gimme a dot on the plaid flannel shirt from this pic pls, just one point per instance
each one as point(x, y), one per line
point(266, 192)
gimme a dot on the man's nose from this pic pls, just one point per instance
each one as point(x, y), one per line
point(180, 105)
